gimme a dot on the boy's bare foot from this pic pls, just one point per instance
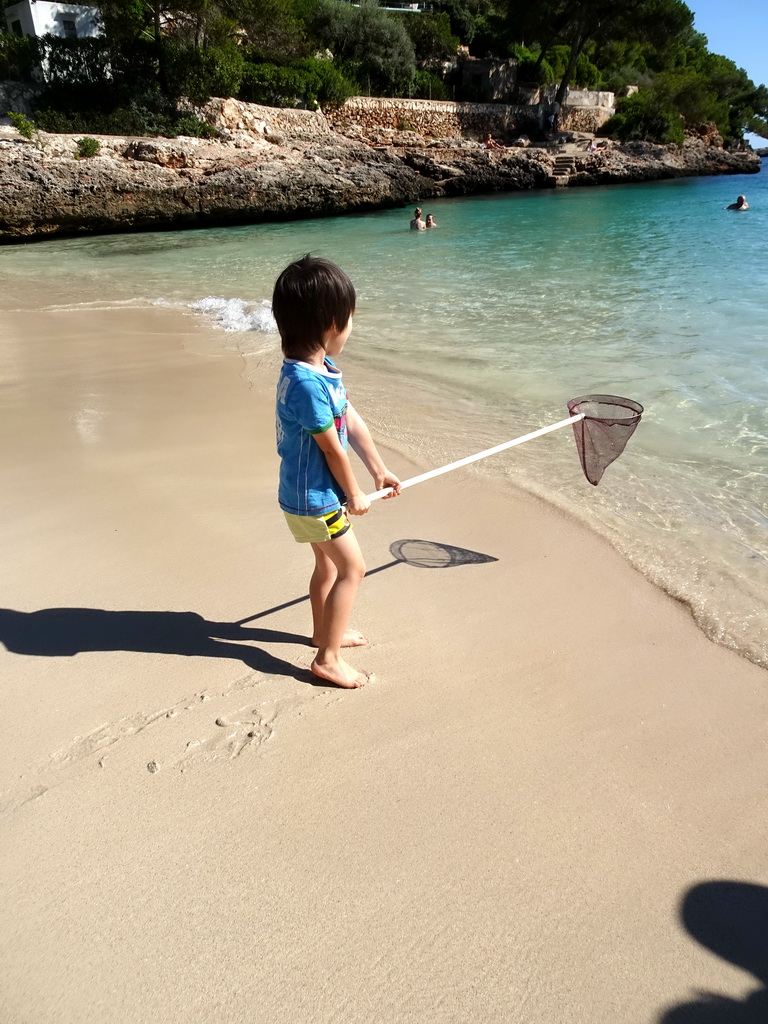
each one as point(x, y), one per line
point(340, 673)
point(352, 638)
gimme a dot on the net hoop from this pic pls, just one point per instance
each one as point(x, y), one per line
point(595, 407)
point(602, 425)
point(605, 424)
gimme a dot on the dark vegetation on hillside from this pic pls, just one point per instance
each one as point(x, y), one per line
point(159, 59)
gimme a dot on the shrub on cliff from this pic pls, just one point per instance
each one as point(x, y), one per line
point(22, 124)
point(644, 117)
point(87, 147)
point(714, 89)
point(130, 86)
point(133, 120)
point(198, 74)
point(101, 74)
point(189, 124)
point(310, 81)
point(26, 128)
point(95, 75)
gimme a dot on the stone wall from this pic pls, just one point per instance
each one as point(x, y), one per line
point(234, 117)
point(545, 97)
point(432, 118)
point(586, 111)
point(582, 112)
point(583, 119)
point(18, 97)
point(589, 98)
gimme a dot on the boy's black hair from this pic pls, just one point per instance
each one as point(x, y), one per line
point(311, 296)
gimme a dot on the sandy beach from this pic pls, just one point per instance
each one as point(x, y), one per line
point(501, 826)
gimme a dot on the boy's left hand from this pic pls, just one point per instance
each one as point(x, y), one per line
point(387, 479)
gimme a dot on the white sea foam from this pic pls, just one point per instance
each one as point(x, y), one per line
point(237, 314)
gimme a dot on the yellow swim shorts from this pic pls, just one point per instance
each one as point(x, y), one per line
point(317, 529)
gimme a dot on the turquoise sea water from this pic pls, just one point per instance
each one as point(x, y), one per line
point(482, 329)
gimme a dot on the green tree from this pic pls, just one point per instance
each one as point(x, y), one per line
point(431, 36)
point(758, 126)
point(465, 17)
point(709, 87)
point(576, 23)
point(373, 48)
point(735, 93)
point(530, 70)
point(18, 56)
point(275, 30)
point(585, 74)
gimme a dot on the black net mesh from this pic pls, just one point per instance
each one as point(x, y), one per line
point(602, 435)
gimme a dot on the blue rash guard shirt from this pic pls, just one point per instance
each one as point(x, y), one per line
point(310, 400)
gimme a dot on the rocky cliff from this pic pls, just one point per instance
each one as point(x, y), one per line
point(273, 164)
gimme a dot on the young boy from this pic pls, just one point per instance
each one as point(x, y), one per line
point(313, 303)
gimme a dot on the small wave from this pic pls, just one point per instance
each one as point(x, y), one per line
point(93, 306)
point(237, 314)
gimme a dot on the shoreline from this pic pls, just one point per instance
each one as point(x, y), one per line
point(188, 324)
point(416, 449)
point(276, 165)
point(633, 551)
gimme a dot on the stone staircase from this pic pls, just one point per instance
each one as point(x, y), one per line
point(564, 167)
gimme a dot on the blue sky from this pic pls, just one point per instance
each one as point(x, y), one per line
point(737, 29)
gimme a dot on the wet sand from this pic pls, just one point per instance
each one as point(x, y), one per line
point(501, 826)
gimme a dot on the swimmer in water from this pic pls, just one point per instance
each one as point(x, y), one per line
point(417, 224)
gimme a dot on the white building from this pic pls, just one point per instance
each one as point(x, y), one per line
point(40, 18)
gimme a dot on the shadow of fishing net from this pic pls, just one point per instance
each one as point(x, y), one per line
point(430, 554)
point(601, 435)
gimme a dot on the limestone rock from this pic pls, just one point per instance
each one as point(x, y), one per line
point(160, 153)
point(289, 164)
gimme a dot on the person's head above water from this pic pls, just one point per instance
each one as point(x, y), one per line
point(312, 296)
point(740, 204)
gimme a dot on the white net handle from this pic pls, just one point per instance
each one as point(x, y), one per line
point(475, 458)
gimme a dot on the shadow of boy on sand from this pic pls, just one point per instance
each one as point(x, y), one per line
point(64, 632)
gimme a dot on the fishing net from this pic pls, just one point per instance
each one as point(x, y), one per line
point(602, 435)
